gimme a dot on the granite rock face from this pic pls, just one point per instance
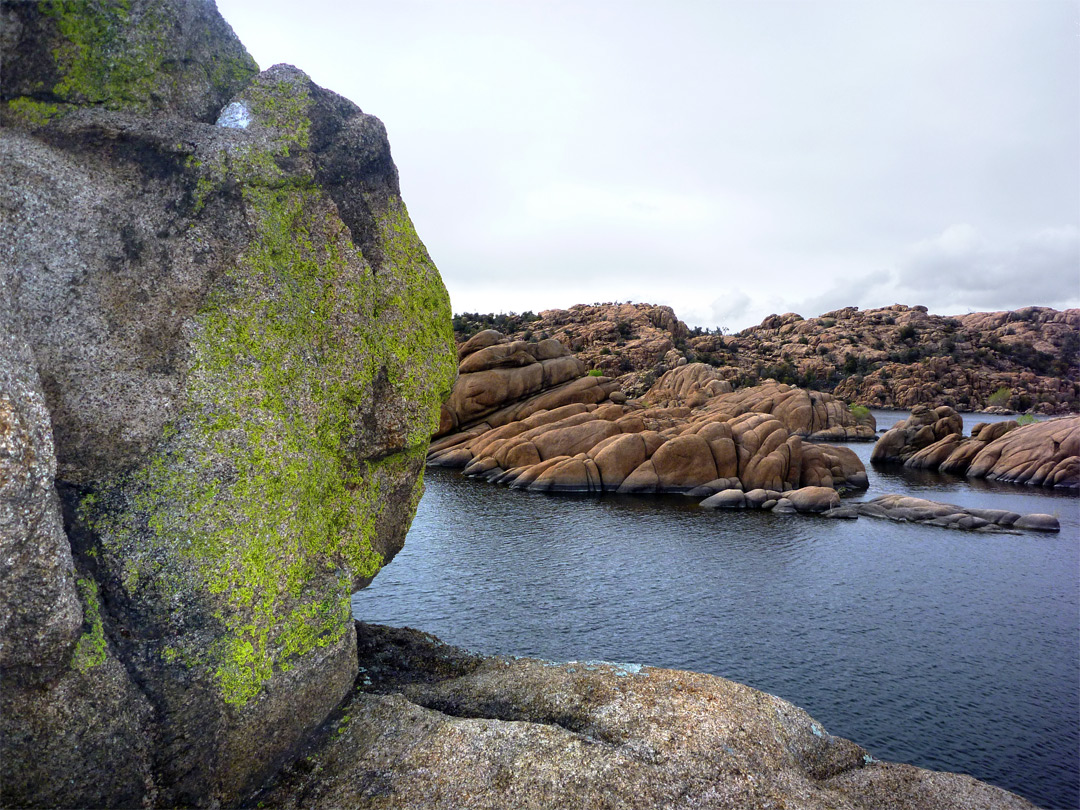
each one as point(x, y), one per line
point(924, 427)
point(590, 439)
point(501, 381)
point(228, 350)
point(890, 357)
point(1043, 454)
point(435, 727)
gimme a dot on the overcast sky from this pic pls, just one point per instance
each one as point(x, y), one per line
point(730, 158)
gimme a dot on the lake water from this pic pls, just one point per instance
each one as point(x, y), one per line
point(950, 650)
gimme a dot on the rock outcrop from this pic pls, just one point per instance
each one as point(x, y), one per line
point(632, 343)
point(223, 352)
point(717, 440)
point(436, 727)
point(924, 427)
point(891, 357)
point(1043, 454)
point(501, 381)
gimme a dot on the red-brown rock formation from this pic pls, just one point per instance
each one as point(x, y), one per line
point(892, 357)
point(1040, 454)
point(746, 439)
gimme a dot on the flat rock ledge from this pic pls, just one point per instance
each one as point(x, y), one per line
point(905, 508)
point(433, 726)
point(901, 508)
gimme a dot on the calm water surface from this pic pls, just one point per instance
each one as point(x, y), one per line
point(949, 650)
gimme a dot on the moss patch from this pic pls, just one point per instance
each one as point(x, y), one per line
point(31, 113)
point(90, 649)
point(99, 59)
point(111, 55)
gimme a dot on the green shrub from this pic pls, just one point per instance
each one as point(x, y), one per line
point(859, 411)
point(596, 372)
point(1026, 419)
point(1000, 398)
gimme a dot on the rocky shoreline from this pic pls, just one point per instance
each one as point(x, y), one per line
point(511, 421)
point(223, 352)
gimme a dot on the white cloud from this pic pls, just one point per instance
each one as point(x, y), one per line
point(963, 268)
point(769, 157)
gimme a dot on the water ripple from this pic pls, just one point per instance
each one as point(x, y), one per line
point(950, 650)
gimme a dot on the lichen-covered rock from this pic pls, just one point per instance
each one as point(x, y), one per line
point(435, 727)
point(242, 347)
point(178, 58)
point(67, 706)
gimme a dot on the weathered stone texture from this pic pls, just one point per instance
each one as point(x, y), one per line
point(240, 346)
point(1043, 453)
point(438, 728)
point(689, 430)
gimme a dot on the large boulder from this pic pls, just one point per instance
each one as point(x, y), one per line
point(73, 722)
point(436, 727)
point(237, 351)
point(500, 381)
point(1041, 454)
point(923, 428)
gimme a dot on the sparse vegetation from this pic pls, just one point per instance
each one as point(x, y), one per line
point(467, 324)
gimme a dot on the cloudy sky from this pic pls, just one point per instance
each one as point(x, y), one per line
point(730, 158)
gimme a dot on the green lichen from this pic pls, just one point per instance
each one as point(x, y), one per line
point(283, 106)
point(420, 341)
point(31, 113)
point(90, 649)
point(103, 58)
point(257, 500)
point(109, 55)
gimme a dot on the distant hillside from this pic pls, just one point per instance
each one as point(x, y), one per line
point(893, 357)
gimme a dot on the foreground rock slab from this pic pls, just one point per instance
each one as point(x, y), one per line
point(435, 727)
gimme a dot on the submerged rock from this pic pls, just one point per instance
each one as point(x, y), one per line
point(434, 727)
point(909, 509)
